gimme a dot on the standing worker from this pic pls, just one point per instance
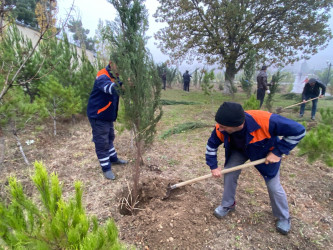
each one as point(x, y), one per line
point(253, 135)
point(164, 80)
point(262, 84)
point(186, 79)
point(311, 90)
point(102, 112)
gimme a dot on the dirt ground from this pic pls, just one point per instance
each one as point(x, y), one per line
point(185, 220)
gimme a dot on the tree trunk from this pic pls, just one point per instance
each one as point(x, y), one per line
point(230, 73)
point(54, 118)
point(136, 172)
point(54, 126)
point(2, 146)
point(21, 148)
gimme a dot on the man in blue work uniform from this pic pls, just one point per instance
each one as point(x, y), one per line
point(253, 135)
point(312, 90)
point(102, 112)
point(186, 79)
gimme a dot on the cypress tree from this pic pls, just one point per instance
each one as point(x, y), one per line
point(141, 82)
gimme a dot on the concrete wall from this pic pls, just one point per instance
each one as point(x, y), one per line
point(34, 36)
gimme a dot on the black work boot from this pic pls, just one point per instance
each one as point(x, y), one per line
point(119, 162)
point(109, 175)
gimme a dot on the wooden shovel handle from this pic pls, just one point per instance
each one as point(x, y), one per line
point(301, 102)
point(224, 171)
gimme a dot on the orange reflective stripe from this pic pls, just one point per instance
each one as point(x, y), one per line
point(218, 133)
point(105, 72)
point(262, 118)
point(104, 108)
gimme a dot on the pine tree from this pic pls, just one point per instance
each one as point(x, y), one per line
point(252, 103)
point(318, 142)
point(141, 82)
point(58, 101)
point(15, 113)
point(206, 86)
point(51, 222)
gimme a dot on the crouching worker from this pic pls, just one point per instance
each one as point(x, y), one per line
point(102, 112)
point(253, 135)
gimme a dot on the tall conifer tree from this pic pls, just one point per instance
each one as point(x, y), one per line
point(141, 82)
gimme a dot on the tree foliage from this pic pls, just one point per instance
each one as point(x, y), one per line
point(23, 11)
point(206, 85)
point(249, 68)
point(273, 89)
point(141, 82)
point(52, 222)
point(80, 34)
point(46, 11)
point(171, 72)
point(225, 31)
point(58, 101)
point(318, 142)
point(252, 103)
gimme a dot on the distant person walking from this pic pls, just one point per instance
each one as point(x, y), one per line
point(164, 80)
point(310, 91)
point(262, 84)
point(102, 111)
point(186, 80)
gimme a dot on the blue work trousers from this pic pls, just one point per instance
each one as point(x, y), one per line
point(314, 106)
point(103, 137)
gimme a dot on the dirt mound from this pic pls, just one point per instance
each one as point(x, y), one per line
point(178, 221)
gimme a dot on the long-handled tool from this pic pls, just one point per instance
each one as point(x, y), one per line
point(224, 171)
point(279, 110)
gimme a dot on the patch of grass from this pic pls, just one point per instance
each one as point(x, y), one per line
point(173, 162)
point(172, 102)
point(180, 128)
point(291, 96)
point(256, 218)
point(249, 190)
point(253, 202)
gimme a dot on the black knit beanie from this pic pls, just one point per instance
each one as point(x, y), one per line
point(230, 114)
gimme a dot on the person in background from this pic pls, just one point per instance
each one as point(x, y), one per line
point(312, 90)
point(186, 79)
point(102, 112)
point(164, 80)
point(253, 135)
point(262, 85)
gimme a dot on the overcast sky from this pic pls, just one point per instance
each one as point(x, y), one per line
point(91, 11)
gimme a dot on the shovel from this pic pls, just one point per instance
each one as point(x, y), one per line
point(224, 171)
point(279, 110)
